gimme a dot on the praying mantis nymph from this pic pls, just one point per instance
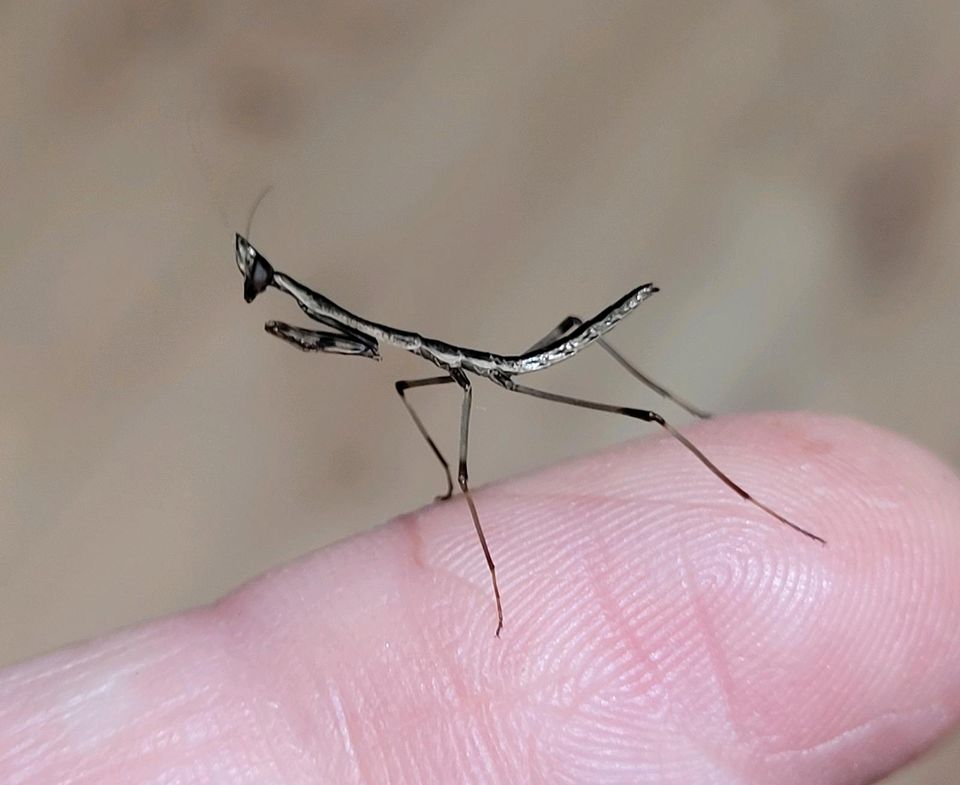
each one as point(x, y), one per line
point(354, 335)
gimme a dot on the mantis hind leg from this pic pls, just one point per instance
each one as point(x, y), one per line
point(572, 322)
point(649, 416)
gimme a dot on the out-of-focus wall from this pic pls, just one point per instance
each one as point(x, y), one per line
point(788, 173)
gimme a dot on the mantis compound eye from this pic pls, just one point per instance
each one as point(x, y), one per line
point(257, 271)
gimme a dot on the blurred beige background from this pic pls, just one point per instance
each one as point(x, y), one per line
point(788, 173)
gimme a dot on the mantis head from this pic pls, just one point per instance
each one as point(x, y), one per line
point(257, 271)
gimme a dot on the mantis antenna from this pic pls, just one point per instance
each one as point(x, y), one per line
point(256, 204)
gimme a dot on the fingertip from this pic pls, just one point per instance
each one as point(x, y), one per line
point(773, 644)
point(657, 628)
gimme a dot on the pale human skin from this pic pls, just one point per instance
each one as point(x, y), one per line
point(657, 630)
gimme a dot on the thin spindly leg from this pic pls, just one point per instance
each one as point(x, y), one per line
point(572, 322)
point(556, 333)
point(649, 416)
point(461, 378)
point(404, 385)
